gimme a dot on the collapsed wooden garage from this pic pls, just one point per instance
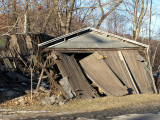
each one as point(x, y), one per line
point(94, 63)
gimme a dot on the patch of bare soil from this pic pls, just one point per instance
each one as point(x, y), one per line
point(98, 108)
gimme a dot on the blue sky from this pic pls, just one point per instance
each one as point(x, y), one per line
point(128, 23)
point(155, 25)
point(156, 18)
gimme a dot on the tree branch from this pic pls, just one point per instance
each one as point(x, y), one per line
point(104, 16)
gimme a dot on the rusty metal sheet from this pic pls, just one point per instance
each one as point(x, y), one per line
point(115, 61)
point(138, 72)
point(98, 71)
point(69, 68)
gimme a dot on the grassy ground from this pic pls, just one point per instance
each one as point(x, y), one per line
point(88, 108)
point(88, 105)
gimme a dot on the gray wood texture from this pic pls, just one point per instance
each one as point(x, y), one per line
point(70, 69)
point(138, 72)
point(99, 72)
point(116, 62)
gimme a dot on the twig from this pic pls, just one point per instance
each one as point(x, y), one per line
point(31, 85)
point(40, 78)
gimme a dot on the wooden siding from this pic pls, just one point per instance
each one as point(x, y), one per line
point(69, 68)
point(116, 62)
point(138, 72)
point(98, 71)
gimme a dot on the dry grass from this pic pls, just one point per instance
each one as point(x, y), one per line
point(98, 104)
point(108, 103)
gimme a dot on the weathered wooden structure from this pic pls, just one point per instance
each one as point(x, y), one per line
point(97, 61)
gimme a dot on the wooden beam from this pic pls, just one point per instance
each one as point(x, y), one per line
point(122, 58)
point(87, 50)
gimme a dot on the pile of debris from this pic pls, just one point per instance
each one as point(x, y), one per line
point(17, 89)
point(84, 64)
point(22, 67)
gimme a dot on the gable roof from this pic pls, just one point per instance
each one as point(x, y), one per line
point(91, 38)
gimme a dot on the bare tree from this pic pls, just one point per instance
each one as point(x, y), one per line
point(69, 9)
point(14, 9)
point(47, 19)
point(138, 19)
point(104, 15)
point(154, 54)
point(69, 16)
point(150, 20)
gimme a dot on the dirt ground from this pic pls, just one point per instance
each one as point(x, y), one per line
point(99, 108)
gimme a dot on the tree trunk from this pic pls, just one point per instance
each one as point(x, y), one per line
point(48, 3)
point(69, 17)
point(149, 39)
point(135, 20)
point(140, 21)
point(154, 55)
point(26, 16)
point(14, 9)
point(43, 29)
point(62, 25)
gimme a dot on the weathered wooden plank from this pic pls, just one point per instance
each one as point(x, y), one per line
point(116, 62)
point(70, 69)
point(138, 72)
point(87, 50)
point(99, 72)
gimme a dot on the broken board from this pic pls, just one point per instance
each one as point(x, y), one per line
point(98, 72)
point(70, 69)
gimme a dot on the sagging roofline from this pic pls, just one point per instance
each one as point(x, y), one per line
point(63, 38)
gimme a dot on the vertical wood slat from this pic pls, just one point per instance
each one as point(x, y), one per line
point(138, 71)
point(115, 61)
point(99, 72)
point(69, 68)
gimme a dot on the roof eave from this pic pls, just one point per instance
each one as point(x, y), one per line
point(121, 38)
point(92, 29)
point(63, 36)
